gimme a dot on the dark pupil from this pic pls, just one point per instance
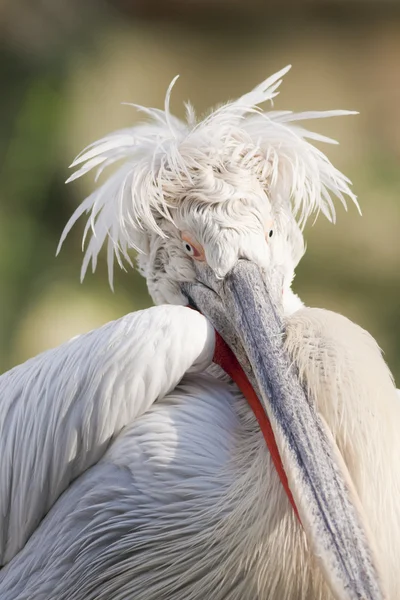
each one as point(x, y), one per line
point(188, 247)
point(271, 233)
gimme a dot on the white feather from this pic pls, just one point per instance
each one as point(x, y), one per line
point(179, 498)
point(163, 158)
point(60, 410)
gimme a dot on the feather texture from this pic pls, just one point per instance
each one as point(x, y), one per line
point(165, 158)
point(62, 409)
point(185, 503)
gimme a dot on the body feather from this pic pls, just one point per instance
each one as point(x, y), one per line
point(186, 503)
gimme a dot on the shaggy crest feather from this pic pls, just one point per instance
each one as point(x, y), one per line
point(167, 156)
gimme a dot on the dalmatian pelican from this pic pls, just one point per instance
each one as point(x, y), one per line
point(229, 443)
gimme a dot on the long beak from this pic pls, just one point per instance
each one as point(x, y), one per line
point(241, 309)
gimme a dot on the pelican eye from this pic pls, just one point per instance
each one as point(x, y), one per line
point(192, 247)
point(268, 229)
point(189, 249)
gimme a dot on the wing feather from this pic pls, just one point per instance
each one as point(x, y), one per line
point(60, 411)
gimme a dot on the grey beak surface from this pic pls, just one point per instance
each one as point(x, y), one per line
point(241, 309)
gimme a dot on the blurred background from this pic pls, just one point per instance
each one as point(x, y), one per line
point(65, 68)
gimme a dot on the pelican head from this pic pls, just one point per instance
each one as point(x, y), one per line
point(215, 210)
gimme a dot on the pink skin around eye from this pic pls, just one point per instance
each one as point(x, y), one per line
point(198, 251)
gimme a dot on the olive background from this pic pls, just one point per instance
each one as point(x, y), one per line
point(67, 65)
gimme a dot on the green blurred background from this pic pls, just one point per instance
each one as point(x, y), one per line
point(65, 68)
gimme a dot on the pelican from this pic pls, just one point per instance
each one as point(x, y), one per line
point(228, 443)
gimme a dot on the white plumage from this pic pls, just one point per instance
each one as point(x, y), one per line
point(236, 152)
point(131, 466)
point(61, 409)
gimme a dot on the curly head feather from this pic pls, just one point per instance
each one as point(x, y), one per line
point(166, 157)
